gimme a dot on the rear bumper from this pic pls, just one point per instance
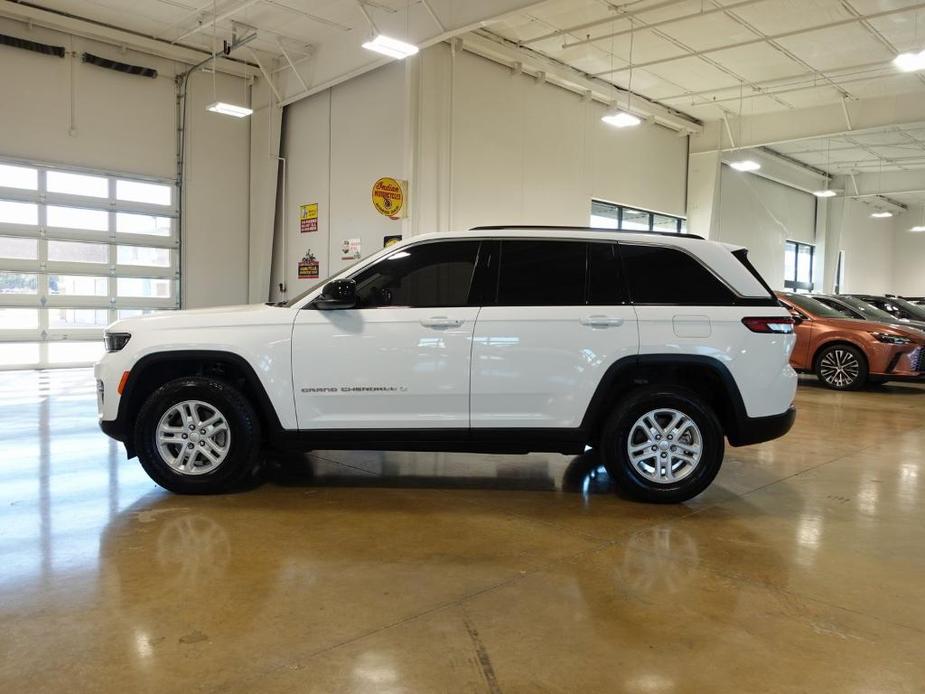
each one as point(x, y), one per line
point(750, 430)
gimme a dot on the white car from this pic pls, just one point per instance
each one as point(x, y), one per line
point(650, 348)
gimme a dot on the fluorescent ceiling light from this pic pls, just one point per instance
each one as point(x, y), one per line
point(881, 215)
point(745, 165)
point(918, 227)
point(620, 119)
point(825, 193)
point(390, 47)
point(910, 62)
point(230, 109)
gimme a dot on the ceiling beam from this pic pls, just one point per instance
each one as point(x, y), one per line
point(768, 129)
point(503, 51)
point(120, 38)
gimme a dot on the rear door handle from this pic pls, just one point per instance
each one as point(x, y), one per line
point(441, 322)
point(601, 321)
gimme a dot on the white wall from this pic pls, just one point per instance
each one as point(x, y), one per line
point(908, 255)
point(478, 144)
point(127, 124)
point(868, 247)
point(761, 215)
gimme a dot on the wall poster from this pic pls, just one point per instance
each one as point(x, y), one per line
point(308, 217)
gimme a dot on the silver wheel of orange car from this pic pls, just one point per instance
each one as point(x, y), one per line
point(842, 367)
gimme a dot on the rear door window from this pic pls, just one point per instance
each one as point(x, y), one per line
point(537, 272)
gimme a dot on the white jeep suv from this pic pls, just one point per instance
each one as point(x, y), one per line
point(650, 348)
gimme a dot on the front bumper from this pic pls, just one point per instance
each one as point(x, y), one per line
point(751, 430)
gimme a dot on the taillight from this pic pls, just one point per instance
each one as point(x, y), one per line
point(776, 324)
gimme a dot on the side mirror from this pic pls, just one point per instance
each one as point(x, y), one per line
point(797, 317)
point(337, 294)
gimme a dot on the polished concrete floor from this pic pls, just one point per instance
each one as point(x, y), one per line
point(801, 570)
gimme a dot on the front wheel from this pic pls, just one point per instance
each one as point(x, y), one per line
point(198, 436)
point(663, 445)
point(841, 367)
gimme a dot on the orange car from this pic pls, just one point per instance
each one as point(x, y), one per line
point(846, 353)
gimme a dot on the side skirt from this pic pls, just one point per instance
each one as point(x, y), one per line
point(569, 441)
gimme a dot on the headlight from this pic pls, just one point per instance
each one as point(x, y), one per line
point(891, 339)
point(116, 341)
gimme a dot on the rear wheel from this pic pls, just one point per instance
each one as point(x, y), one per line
point(198, 436)
point(663, 445)
point(842, 367)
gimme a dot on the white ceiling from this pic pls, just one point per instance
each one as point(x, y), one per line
point(708, 58)
point(896, 148)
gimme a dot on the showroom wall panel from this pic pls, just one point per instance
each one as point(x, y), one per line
point(908, 252)
point(762, 215)
point(337, 144)
point(868, 247)
point(127, 124)
point(480, 145)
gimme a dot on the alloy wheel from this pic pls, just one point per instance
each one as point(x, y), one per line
point(193, 437)
point(664, 446)
point(839, 368)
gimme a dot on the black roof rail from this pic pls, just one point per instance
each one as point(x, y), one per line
point(553, 227)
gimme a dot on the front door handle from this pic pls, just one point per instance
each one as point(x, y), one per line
point(598, 321)
point(441, 322)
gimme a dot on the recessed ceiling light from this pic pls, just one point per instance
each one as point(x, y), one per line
point(390, 47)
point(825, 193)
point(882, 214)
point(230, 109)
point(745, 165)
point(620, 119)
point(918, 227)
point(910, 62)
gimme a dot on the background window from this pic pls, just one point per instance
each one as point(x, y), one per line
point(658, 275)
point(798, 266)
point(542, 273)
point(429, 275)
point(606, 215)
point(59, 290)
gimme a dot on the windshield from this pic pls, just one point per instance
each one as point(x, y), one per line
point(813, 307)
point(917, 312)
point(869, 311)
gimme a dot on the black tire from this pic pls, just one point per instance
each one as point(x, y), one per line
point(849, 379)
point(242, 462)
point(619, 427)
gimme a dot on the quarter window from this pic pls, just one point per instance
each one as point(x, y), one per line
point(542, 273)
point(659, 275)
point(426, 276)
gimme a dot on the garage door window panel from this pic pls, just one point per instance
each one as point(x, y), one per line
point(19, 177)
point(78, 250)
point(15, 213)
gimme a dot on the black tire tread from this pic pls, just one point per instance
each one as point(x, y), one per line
point(243, 462)
point(612, 444)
